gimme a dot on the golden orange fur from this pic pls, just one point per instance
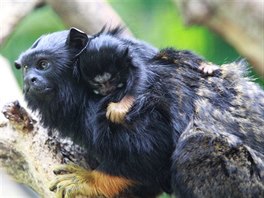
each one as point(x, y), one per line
point(116, 111)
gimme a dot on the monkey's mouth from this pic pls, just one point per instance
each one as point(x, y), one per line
point(37, 89)
point(105, 91)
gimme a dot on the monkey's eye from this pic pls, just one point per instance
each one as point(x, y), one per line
point(43, 64)
point(25, 67)
point(96, 92)
point(120, 85)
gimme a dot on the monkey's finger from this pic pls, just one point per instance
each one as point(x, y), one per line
point(215, 67)
point(201, 67)
point(54, 184)
point(67, 184)
point(68, 189)
point(111, 108)
point(59, 193)
point(116, 118)
point(65, 168)
point(81, 190)
point(210, 71)
point(108, 114)
point(207, 70)
point(72, 191)
point(119, 116)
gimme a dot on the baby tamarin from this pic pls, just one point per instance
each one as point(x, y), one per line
point(113, 67)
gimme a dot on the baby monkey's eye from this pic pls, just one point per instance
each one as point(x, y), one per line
point(43, 64)
point(120, 85)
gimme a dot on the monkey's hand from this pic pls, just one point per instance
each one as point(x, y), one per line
point(72, 181)
point(208, 68)
point(116, 112)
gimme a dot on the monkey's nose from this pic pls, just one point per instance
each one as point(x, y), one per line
point(31, 80)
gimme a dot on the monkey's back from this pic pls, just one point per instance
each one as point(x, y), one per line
point(219, 149)
point(233, 104)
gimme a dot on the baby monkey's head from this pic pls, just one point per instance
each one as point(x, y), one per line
point(106, 64)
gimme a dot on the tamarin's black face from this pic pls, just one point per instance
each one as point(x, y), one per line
point(42, 64)
point(106, 67)
point(106, 82)
point(48, 68)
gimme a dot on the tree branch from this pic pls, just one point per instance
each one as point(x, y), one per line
point(239, 22)
point(89, 16)
point(12, 12)
point(27, 151)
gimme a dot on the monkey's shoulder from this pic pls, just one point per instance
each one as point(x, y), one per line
point(174, 56)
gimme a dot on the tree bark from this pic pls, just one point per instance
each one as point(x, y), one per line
point(12, 12)
point(89, 16)
point(239, 22)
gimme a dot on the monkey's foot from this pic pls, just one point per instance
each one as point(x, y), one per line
point(116, 112)
point(208, 68)
point(72, 181)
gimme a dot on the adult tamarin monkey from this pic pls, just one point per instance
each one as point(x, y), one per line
point(197, 135)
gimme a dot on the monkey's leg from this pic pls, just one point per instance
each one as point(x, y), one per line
point(73, 180)
point(116, 112)
point(207, 165)
point(208, 68)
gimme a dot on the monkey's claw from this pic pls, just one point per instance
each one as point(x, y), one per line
point(208, 68)
point(72, 181)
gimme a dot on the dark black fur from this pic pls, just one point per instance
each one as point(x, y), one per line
point(109, 54)
point(141, 152)
point(209, 127)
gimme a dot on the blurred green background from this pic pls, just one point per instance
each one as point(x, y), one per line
point(155, 21)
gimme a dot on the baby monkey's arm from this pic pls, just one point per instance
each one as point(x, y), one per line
point(116, 111)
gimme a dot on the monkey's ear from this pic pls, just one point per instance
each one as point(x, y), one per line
point(77, 39)
point(17, 64)
point(126, 55)
point(126, 52)
point(36, 42)
point(126, 58)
